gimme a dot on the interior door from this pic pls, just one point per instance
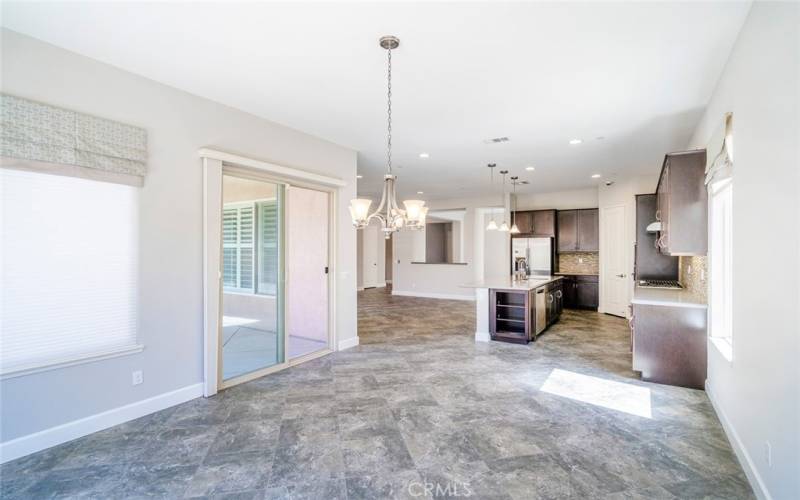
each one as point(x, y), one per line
point(615, 279)
point(307, 270)
point(370, 262)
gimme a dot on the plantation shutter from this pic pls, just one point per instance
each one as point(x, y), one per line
point(268, 256)
point(238, 238)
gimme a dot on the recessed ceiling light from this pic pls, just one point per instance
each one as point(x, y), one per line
point(420, 192)
point(359, 176)
point(424, 155)
point(530, 169)
point(596, 176)
point(575, 141)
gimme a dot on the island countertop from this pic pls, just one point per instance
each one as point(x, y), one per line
point(508, 283)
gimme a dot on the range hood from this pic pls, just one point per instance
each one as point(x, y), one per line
point(654, 227)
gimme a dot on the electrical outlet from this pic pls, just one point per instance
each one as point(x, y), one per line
point(580, 260)
point(689, 270)
point(702, 275)
point(768, 452)
point(136, 377)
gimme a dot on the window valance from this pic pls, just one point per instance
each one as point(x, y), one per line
point(50, 138)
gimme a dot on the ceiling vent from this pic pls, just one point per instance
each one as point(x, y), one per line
point(496, 140)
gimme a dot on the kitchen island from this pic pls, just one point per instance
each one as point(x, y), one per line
point(516, 311)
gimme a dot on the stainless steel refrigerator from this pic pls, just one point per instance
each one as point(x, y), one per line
point(535, 253)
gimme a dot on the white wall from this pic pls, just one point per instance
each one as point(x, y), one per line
point(171, 226)
point(758, 394)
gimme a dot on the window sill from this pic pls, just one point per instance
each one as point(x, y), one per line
point(91, 358)
point(724, 347)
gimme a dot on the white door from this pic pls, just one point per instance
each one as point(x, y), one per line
point(370, 240)
point(307, 266)
point(613, 247)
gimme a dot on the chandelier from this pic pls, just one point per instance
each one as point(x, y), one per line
point(390, 215)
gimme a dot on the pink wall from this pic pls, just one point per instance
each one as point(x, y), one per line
point(307, 240)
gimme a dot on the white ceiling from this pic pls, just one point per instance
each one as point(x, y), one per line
point(636, 74)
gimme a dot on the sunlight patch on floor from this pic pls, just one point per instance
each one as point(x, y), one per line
point(597, 391)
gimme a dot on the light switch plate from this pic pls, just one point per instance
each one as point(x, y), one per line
point(136, 377)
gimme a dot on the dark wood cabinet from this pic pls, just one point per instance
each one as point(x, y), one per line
point(567, 230)
point(544, 223)
point(588, 230)
point(683, 204)
point(511, 315)
point(524, 222)
point(536, 222)
point(581, 292)
point(555, 301)
point(587, 295)
point(578, 230)
point(669, 344)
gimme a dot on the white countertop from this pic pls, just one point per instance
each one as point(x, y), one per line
point(667, 297)
point(508, 283)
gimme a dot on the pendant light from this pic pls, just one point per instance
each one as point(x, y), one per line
point(492, 226)
point(391, 216)
point(514, 229)
point(504, 226)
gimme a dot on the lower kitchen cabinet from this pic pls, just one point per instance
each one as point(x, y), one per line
point(581, 292)
point(669, 344)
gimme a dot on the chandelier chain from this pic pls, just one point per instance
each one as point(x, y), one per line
point(389, 115)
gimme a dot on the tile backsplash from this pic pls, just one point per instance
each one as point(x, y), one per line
point(579, 263)
point(694, 275)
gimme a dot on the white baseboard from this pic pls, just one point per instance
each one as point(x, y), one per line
point(347, 343)
point(448, 296)
point(381, 285)
point(389, 281)
point(47, 438)
point(482, 337)
point(360, 289)
point(759, 488)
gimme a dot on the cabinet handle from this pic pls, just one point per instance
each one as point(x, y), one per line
point(550, 298)
point(558, 294)
point(658, 215)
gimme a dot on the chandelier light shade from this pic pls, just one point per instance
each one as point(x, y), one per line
point(390, 215)
point(492, 226)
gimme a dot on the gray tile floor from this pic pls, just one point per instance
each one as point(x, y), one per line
point(417, 410)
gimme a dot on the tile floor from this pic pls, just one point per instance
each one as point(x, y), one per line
point(417, 410)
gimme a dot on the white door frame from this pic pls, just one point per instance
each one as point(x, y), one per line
point(214, 162)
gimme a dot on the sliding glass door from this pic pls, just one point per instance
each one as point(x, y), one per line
point(252, 336)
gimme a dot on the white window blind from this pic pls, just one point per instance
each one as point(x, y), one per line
point(238, 247)
point(268, 247)
point(68, 270)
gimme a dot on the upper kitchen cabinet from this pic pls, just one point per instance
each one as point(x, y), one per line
point(578, 230)
point(682, 204)
point(524, 222)
point(544, 223)
point(536, 222)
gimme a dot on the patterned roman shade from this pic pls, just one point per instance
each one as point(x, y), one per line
point(36, 132)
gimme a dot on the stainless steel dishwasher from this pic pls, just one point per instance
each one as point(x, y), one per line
point(540, 305)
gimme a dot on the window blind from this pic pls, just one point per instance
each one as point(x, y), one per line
point(238, 242)
point(68, 269)
point(268, 255)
